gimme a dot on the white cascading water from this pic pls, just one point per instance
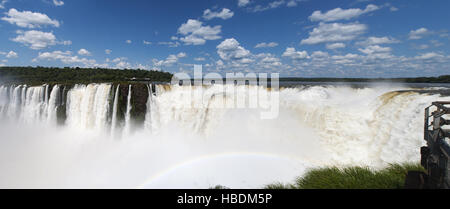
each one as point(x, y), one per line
point(87, 106)
point(114, 112)
point(183, 147)
point(29, 104)
point(127, 127)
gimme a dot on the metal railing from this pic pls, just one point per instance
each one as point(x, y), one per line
point(435, 157)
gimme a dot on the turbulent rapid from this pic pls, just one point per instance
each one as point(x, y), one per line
point(161, 136)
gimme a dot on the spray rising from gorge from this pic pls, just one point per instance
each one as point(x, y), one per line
point(127, 136)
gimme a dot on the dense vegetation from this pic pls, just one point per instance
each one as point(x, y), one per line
point(40, 75)
point(392, 177)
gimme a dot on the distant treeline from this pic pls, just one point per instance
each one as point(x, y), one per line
point(440, 79)
point(40, 75)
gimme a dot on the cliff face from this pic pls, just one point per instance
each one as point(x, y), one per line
point(139, 96)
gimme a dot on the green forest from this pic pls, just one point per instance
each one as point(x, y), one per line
point(50, 75)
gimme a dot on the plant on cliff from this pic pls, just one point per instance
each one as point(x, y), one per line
point(392, 177)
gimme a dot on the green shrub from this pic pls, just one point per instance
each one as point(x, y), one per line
point(392, 177)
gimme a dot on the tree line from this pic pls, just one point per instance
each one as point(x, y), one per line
point(69, 75)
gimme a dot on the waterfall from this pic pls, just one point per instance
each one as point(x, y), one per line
point(3, 99)
point(114, 112)
point(14, 102)
point(317, 126)
point(87, 106)
point(53, 104)
point(28, 104)
point(148, 114)
point(128, 114)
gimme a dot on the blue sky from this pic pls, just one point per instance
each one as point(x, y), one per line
point(304, 38)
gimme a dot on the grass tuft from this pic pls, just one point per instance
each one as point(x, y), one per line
point(392, 177)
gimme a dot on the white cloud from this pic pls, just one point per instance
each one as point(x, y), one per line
point(430, 55)
point(27, 19)
point(123, 65)
point(291, 3)
point(243, 3)
point(197, 34)
point(295, 55)
point(170, 43)
point(418, 34)
point(170, 60)
point(66, 58)
point(199, 59)
point(393, 9)
point(147, 42)
point(2, 4)
point(108, 51)
point(181, 55)
point(12, 54)
point(35, 39)
point(224, 14)
point(84, 52)
point(271, 5)
point(319, 55)
point(66, 43)
point(375, 49)
point(341, 14)
point(230, 49)
point(58, 2)
point(335, 46)
point(332, 32)
point(377, 40)
point(128, 41)
point(266, 45)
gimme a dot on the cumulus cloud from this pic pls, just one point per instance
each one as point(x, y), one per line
point(295, 55)
point(418, 34)
point(128, 41)
point(196, 33)
point(230, 49)
point(271, 5)
point(66, 43)
point(58, 2)
point(35, 39)
point(27, 19)
point(335, 46)
point(169, 43)
point(224, 14)
point(319, 55)
point(66, 58)
point(333, 32)
point(341, 14)
point(377, 40)
point(84, 52)
point(429, 55)
point(147, 42)
point(375, 49)
point(266, 45)
point(243, 3)
point(170, 60)
point(108, 51)
point(12, 54)
point(2, 4)
point(199, 59)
